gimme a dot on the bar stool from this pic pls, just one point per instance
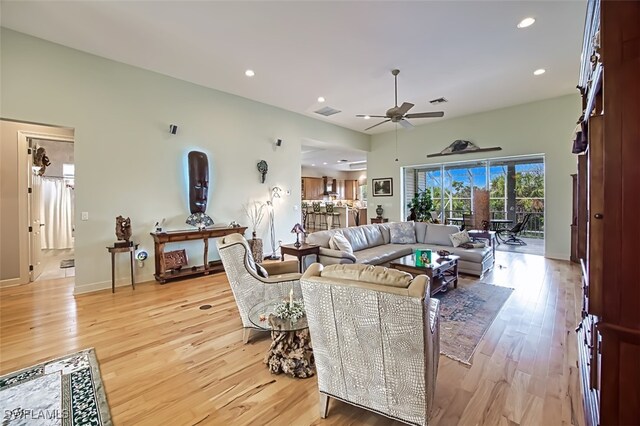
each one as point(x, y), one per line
point(335, 216)
point(319, 217)
point(304, 210)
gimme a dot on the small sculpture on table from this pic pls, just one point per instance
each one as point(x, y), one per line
point(123, 232)
point(198, 190)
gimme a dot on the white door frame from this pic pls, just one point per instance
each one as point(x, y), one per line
point(24, 183)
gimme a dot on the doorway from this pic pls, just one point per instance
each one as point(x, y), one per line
point(52, 208)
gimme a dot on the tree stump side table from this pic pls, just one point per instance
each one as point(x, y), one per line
point(290, 351)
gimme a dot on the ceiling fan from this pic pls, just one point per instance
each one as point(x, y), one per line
point(399, 114)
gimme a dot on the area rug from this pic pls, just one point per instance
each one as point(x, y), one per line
point(466, 313)
point(67, 263)
point(63, 391)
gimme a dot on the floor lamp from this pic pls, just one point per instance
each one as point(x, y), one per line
point(275, 193)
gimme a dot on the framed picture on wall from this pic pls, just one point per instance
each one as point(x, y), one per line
point(382, 187)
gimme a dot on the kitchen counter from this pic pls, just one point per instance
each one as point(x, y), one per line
point(347, 216)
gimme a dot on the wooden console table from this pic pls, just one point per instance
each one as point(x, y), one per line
point(379, 220)
point(162, 238)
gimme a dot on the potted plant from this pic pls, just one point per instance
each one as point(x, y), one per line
point(420, 206)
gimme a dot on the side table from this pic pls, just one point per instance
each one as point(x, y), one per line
point(113, 251)
point(379, 220)
point(290, 351)
point(300, 252)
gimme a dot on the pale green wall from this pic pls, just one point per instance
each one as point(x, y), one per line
point(127, 162)
point(543, 127)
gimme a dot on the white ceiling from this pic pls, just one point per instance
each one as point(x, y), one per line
point(331, 158)
point(467, 51)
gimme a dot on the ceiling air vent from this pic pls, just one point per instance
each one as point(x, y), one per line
point(327, 111)
point(438, 101)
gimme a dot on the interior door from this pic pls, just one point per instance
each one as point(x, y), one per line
point(34, 183)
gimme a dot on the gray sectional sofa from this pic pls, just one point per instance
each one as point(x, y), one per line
point(372, 245)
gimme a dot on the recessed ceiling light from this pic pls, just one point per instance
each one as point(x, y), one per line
point(313, 165)
point(539, 71)
point(249, 73)
point(526, 22)
point(366, 117)
point(325, 163)
point(320, 99)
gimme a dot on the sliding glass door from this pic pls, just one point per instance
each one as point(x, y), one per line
point(515, 185)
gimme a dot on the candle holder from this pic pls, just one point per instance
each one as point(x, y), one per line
point(290, 310)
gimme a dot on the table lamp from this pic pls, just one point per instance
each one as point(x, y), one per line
point(297, 229)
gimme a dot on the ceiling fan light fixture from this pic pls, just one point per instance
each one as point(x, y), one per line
point(397, 113)
point(526, 22)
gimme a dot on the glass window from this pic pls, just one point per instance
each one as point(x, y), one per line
point(515, 185)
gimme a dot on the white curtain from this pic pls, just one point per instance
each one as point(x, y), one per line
point(56, 214)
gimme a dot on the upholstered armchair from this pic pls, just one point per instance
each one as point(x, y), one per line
point(249, 288)
point(375, 334)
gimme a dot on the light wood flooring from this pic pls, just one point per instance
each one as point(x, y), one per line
point(534, 246)
point(165, 361)
point(51, 264)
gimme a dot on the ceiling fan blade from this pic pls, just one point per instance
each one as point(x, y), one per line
point(371, 116)
point(375, 125)
point(404, 108)
point(407, 125)
point(434, 114)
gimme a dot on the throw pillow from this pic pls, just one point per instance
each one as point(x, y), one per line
point(402, 233)
point(341, 243)
point(261, 271)
point(472, 245)
point(460, 238)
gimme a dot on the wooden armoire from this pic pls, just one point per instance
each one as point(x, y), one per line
point(608, 213)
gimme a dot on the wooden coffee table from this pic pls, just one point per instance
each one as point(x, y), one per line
point(441, 272)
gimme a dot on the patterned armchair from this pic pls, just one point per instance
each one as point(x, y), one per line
point(248, 287)
point(376, 339)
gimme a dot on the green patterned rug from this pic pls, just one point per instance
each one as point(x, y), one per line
point(466, 313)
point(63, 391)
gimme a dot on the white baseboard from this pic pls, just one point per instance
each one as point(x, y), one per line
point(106, 285)
point(11, 282)
point(556, 256)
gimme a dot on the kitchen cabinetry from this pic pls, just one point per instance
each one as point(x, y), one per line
point(312, 188)
point(350, 189)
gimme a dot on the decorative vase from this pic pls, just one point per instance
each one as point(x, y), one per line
point(256, 249)
point(379, 211)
